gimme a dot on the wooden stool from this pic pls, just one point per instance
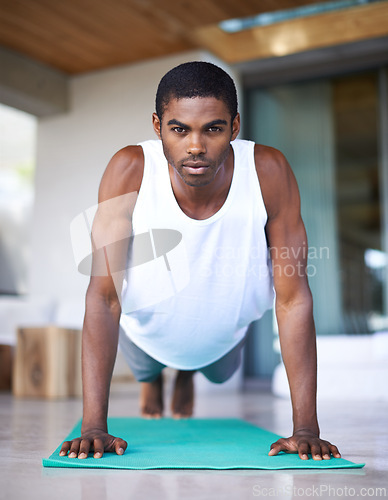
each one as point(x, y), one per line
point(47, 363)
point(6, 355)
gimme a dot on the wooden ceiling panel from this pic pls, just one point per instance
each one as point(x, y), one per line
point(77, 36)
point(297, 35)
point(194, 14)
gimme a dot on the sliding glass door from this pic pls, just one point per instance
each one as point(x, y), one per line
point(330, 131)
point(297, 119)
point(355, 109)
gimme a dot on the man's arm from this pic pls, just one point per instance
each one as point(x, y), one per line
point(287, 240)
point(110, 237)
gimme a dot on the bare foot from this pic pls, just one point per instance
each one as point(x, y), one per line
point(183, 397)
point(151, 398)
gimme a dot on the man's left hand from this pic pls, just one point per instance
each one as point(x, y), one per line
point(304, 443)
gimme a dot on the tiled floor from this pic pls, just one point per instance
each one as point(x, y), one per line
point(30, 430)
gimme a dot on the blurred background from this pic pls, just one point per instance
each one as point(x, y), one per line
point(78, 82)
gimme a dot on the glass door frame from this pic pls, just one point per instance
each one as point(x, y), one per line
point(383, 170)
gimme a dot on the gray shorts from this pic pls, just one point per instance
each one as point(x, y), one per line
point(146, 369)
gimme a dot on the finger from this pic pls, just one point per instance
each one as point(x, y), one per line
point(98, 447)
point(303, 450)
point(120, 446)
point(316, 452)
point(325, 450)
point(65, 448)
point(84, 449)
point(334, 451)
point(74, 448)
point(277, 447)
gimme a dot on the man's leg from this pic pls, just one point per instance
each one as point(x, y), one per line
point(222, 369)
point(148, 372)
point(151, 398)
point(183, 398)
point(217, 372)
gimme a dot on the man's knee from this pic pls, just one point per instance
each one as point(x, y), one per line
point(217, 378)
point(146, 377)
point(220, 372)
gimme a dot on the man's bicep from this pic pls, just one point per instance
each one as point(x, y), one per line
point(111, 235)
point(288, 246)
point(112, 226)
point(286, 235)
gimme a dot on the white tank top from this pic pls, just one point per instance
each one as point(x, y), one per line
point(192, 287)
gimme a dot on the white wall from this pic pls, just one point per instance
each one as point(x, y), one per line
point(109, 110)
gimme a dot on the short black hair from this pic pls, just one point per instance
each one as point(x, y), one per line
point(196, 79)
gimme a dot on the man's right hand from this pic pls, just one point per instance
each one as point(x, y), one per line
point(94, 440)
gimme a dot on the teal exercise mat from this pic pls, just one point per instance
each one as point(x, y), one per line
point(195, 443)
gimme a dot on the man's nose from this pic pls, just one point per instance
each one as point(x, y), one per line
point(196, 145)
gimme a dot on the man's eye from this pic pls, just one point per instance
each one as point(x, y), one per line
point(179, 130)
point(215, 129)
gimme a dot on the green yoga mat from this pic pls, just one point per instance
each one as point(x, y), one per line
point(192, 444)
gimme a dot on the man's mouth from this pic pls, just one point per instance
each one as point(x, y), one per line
point(195, 167)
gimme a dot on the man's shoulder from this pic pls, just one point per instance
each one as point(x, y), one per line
point(274, 174)
point(124, 172)
point(269, 160)
point(127, 160)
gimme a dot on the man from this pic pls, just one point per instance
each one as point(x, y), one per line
point(232, 202)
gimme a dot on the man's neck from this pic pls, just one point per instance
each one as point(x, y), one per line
point(203, 201)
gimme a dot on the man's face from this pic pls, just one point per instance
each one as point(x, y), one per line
point(196, 135)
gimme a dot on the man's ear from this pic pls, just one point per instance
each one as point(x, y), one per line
point(235, 126)
point(156, 123)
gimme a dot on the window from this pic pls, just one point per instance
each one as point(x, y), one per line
point(17, 167)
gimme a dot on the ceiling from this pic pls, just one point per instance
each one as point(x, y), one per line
point(76, 36)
